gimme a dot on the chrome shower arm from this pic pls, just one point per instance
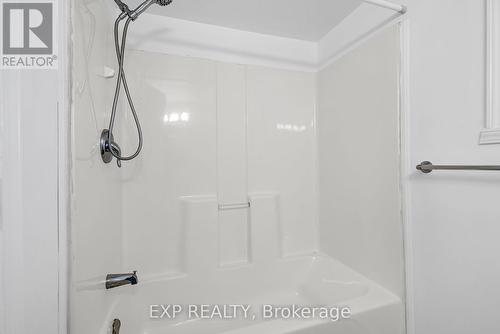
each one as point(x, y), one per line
point(124, 8)
point(121, 5)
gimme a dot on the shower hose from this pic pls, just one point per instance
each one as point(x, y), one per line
point(120, 55)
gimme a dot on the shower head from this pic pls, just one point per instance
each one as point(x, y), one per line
point(145, 5)
point(134, 14)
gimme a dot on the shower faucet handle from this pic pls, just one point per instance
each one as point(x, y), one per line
point(118, 152)
point(109, 148)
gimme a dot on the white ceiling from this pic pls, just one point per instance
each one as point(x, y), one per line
point(301, 19)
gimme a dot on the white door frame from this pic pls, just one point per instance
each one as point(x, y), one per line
point(64, 164)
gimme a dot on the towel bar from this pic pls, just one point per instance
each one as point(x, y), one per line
point(427, 167)
point(224, 207)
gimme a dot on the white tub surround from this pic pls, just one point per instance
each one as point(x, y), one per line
point(224, 205)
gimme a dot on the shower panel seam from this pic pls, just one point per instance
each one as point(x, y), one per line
point(247, 183)
point(217, 164)
point(316, 163)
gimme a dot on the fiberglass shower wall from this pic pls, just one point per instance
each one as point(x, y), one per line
point(96, 188)
point(359, 160)
point(215, 134)
point(219, 134)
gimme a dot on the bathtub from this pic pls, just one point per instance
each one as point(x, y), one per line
point(251, 188)
point(307, 281)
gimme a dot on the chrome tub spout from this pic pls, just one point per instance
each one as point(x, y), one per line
point(116, 280)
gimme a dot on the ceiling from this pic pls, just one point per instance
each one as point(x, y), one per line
point(300, 19)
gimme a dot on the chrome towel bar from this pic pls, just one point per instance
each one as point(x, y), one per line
point(427, 167)
point(224, 207)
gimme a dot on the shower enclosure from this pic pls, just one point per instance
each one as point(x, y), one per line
point(269, 172)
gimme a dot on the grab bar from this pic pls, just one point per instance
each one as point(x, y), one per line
point(427, 167)
point(235, 206)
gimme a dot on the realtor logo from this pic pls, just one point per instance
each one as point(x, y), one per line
point(28, 35)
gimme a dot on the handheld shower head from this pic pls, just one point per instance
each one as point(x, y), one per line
point(146, 4)
point(134, 14)
point(164, 2)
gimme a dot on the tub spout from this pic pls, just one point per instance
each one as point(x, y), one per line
point(116, 280)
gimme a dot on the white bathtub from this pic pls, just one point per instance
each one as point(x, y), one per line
point(305, 281)
point(250, 171)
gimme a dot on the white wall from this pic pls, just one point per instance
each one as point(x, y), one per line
point(215, 130)
point(281, 144)
point(359, 160)
point(29, 224)
point(96, 206)
point(455, 215)
point(176, 101)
